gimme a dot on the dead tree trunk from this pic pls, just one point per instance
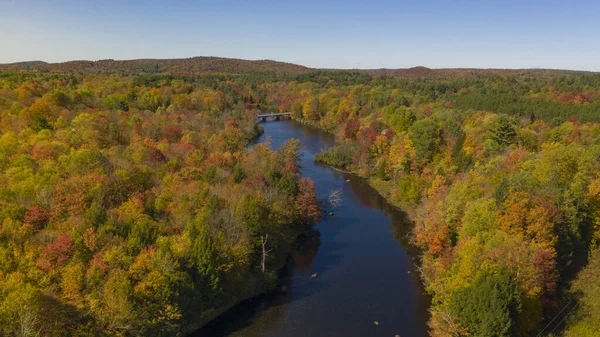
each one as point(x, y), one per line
point(265, 252)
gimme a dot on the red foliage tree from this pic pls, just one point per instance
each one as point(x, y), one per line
point(180, 150)
point(351, 129)
point(366, 137)
point(545, 266)
point(377, 125)
point(56, 253)
point(433, 234)
point(43, 153)
point(37, 216)
point(306, 200)
point(156, 156)
point(390, 134)
point(72, 196)
point(291, 167)
point(173, 134)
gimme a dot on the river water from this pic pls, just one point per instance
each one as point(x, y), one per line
point(364, 265)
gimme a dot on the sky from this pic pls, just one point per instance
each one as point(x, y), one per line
point(323, 34)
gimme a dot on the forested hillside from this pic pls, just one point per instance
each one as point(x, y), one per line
point(206, 64)
point(194, 65)
point(131, 207)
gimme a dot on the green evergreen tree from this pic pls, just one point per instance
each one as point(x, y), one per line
point(504, 133)
point(488, 308)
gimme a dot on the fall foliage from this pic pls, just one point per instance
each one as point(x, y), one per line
point(129, 204)
point(133, 209)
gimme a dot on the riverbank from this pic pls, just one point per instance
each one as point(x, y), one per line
point(254, 290)
point(468, 208)
point(363, 266)
point(260, 284)
point(383, 187)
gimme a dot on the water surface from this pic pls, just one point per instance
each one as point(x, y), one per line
point(364, 265)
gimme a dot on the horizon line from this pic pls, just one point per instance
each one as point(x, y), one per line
point(296, 64)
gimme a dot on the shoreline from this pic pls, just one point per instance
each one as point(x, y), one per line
point(253, 293)
point(273, 288)
point(370, 181)
point(191, 328)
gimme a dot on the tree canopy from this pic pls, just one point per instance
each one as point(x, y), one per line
point(130, 205)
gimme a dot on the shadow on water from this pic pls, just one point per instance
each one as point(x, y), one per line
point(401, 224)
point(243, 315)
point(361, 255)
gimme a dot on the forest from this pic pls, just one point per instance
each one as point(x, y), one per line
point(131, 206)
point(122, 218)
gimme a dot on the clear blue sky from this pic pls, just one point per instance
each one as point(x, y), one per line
point(333, 34)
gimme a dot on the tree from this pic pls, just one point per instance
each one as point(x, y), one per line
point(425, 137)
point(307, 200)
point(489, 307)
point(504, 132)
point(19, 306)
point(310, 109)
point(351, 129)
point(585, 291)
point(37, 216)
point(57, 253)
point(265, 252)
point(118, 311)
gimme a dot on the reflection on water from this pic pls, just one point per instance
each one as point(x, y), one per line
point(364, 273)
point(244, 316)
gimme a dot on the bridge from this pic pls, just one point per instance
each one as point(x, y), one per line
point(262, 116)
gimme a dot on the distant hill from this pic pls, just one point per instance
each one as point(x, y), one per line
point(23, 65)
point(466, 72)
point(192, 65)
point(202, 64)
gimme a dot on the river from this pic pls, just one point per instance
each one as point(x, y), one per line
point(363, 262)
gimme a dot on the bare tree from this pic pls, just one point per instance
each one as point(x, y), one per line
point(335, 198)
point(226, 223)
point(265, 252)
point(44, 196)
point(452, 327)
point(28, 322)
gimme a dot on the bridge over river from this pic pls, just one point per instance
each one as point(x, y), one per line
point(263, 116)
